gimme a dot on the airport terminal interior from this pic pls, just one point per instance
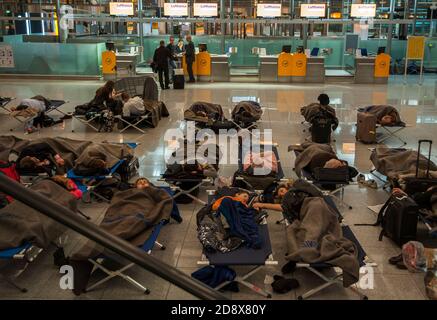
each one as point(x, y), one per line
point(321, 76)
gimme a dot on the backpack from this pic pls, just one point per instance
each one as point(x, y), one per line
point(398, 219)
point(9, 169)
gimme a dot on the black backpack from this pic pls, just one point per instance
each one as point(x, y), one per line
point(398, 219)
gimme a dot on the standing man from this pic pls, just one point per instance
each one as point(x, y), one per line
point(190, 57)
point(160, 58)
point(171, 63)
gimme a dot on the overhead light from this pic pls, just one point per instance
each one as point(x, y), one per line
point(335, 15)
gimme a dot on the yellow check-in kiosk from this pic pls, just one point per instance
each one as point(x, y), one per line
point(382, 68)
point(109, 65)
point(201, 66)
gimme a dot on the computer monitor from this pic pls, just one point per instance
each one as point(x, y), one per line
point(300, 49)
point(314, 52)
point(110, 46)
point(203, 47)
point(381, 50)
point(286, 48)
point(364, 52)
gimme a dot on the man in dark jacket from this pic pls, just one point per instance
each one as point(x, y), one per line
point(190, 57)
point(160, 58)
point(171, 62)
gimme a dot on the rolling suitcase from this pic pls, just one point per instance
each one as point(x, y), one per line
point(366, 128)
point(417, 184)
point(179, 79)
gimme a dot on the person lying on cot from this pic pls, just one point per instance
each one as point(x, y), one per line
point(40, 156)
point(132, 106)
point(278, 196)
point(385, 115)
point(144, 183)
point(239, 217)
point(290, 198)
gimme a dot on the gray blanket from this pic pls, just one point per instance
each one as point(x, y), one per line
point(204, 112)
point(20, 224)
point(382, 110)
point(396, 163)
point(70, 150)
point(110, 153)
point(131, 216)
point(307, 151)
point(247, 107)
point(309, 111)
point(317, 237)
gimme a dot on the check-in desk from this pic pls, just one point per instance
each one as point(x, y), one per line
point(364, 70)
point(372, 69)
point(268, 69)
point(220, 67)
point(127, 61)
point(315, 70)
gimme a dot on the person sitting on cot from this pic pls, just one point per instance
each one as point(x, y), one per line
point(132, 106)
point(40, 156)
point(385, 115)
point(315, 110)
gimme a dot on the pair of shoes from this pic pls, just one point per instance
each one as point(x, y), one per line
point(398, 261)
point(361, 178)
point(369, 183)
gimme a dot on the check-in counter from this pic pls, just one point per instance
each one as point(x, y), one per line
point(315, 70)
point(268, 69)
point(220, 67)
point(364, 70)
point(372, 69)
point(127, 61)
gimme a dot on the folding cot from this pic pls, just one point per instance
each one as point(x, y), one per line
point(390, 131)
point(245, 121)
point(4, 101)
point(244, 256)
point(329, 181)
point(18, 258)
point(87, 184)
point(338, 277)
point(242, 179)
point(147, 247)
point(195, 183)
point(144, 87)
point(54, 106)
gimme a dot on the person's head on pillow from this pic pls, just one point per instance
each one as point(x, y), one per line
point(387, 120)
point(281, 190)
point(32, 163)
point(242, 196)
point(323, 99)
point(142, 183)
point(334, 164)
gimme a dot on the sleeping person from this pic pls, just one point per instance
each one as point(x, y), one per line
point(385, 115)
point(34, 108)
point(239, 217)
point(312, 156)
point(132, 106)
point(40, 157)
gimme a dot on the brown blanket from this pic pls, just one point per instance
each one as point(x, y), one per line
point(204, 112)
point(309, 111)
point(109, 152)
point(317, 237)
point(20, 224)
point(382, 110)
point(396, 163)
point(248, 107)
point(131, 216)
point(307, 151)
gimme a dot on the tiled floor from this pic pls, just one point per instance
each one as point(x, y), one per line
point(417, 105)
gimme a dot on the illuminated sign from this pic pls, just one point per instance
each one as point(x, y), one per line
point(205, 10)
point(175, 9)
point(363, 10)
point(268, 10)
point(313, 10)
point(121, 8)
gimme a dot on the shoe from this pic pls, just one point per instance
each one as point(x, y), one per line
point(288, 267)
point(361, 178)
point(284, 285)
point(394, 260)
